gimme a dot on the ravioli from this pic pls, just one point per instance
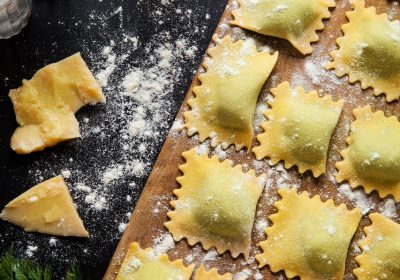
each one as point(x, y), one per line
point(212, 274)
point(381, 250)
point(216, 204)
point(225, 102)
point(369, 51)
point(372, 158)
point(309, 238)
point(142, 264)
point(299, 129)
point(292, 20)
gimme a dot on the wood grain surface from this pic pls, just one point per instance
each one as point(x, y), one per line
point(307, 71)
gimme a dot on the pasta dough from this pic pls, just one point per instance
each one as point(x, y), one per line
point(369, 51)
point(225, 103)
point(309, 238)
point(142, 264)
point(212, 274)
point(299, 129)
point(216, 204)
point(372, 159)
point(381, 250)
point(293, 20)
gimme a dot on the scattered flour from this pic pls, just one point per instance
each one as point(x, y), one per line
point(244, 274)
point(261, 225)
point(122, 227)
point(96, 201)
point(30, 250)
point(389, 208)
point(211, 255)
point(166, 2)
point(104, 75)
point(83, 188)
point(163, 243)
point(358, 197)
point(202, 149)
point(189, 258)
point(52, 241)
point(66, 173)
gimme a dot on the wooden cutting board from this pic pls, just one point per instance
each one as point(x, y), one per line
point(147, 220)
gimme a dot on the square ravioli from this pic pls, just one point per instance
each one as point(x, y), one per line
point(143, 264)
point(216, 204)
point(369, 51)
point(225, 102)
point(293, 20)
point(309, 238)
point(380, 258)
point(299, 128)
point(372, 158)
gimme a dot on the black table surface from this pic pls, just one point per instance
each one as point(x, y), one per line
point(56, 30)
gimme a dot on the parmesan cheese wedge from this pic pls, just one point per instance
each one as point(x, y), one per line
point(46, 208)
point(45, 105)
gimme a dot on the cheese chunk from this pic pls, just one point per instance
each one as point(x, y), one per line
point(45, 105)
point(46, 208)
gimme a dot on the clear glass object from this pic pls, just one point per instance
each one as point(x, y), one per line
point(14, 15)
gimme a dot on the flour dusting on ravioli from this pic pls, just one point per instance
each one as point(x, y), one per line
point(372, 158)
point(380, 258)
point(293, 20)
point(309, 238)
point(299, 128)
point(216, 204)
point(369, 51)
point(225, 102)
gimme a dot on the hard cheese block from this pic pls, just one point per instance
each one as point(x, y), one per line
point(46, 208)
point(45, 105)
